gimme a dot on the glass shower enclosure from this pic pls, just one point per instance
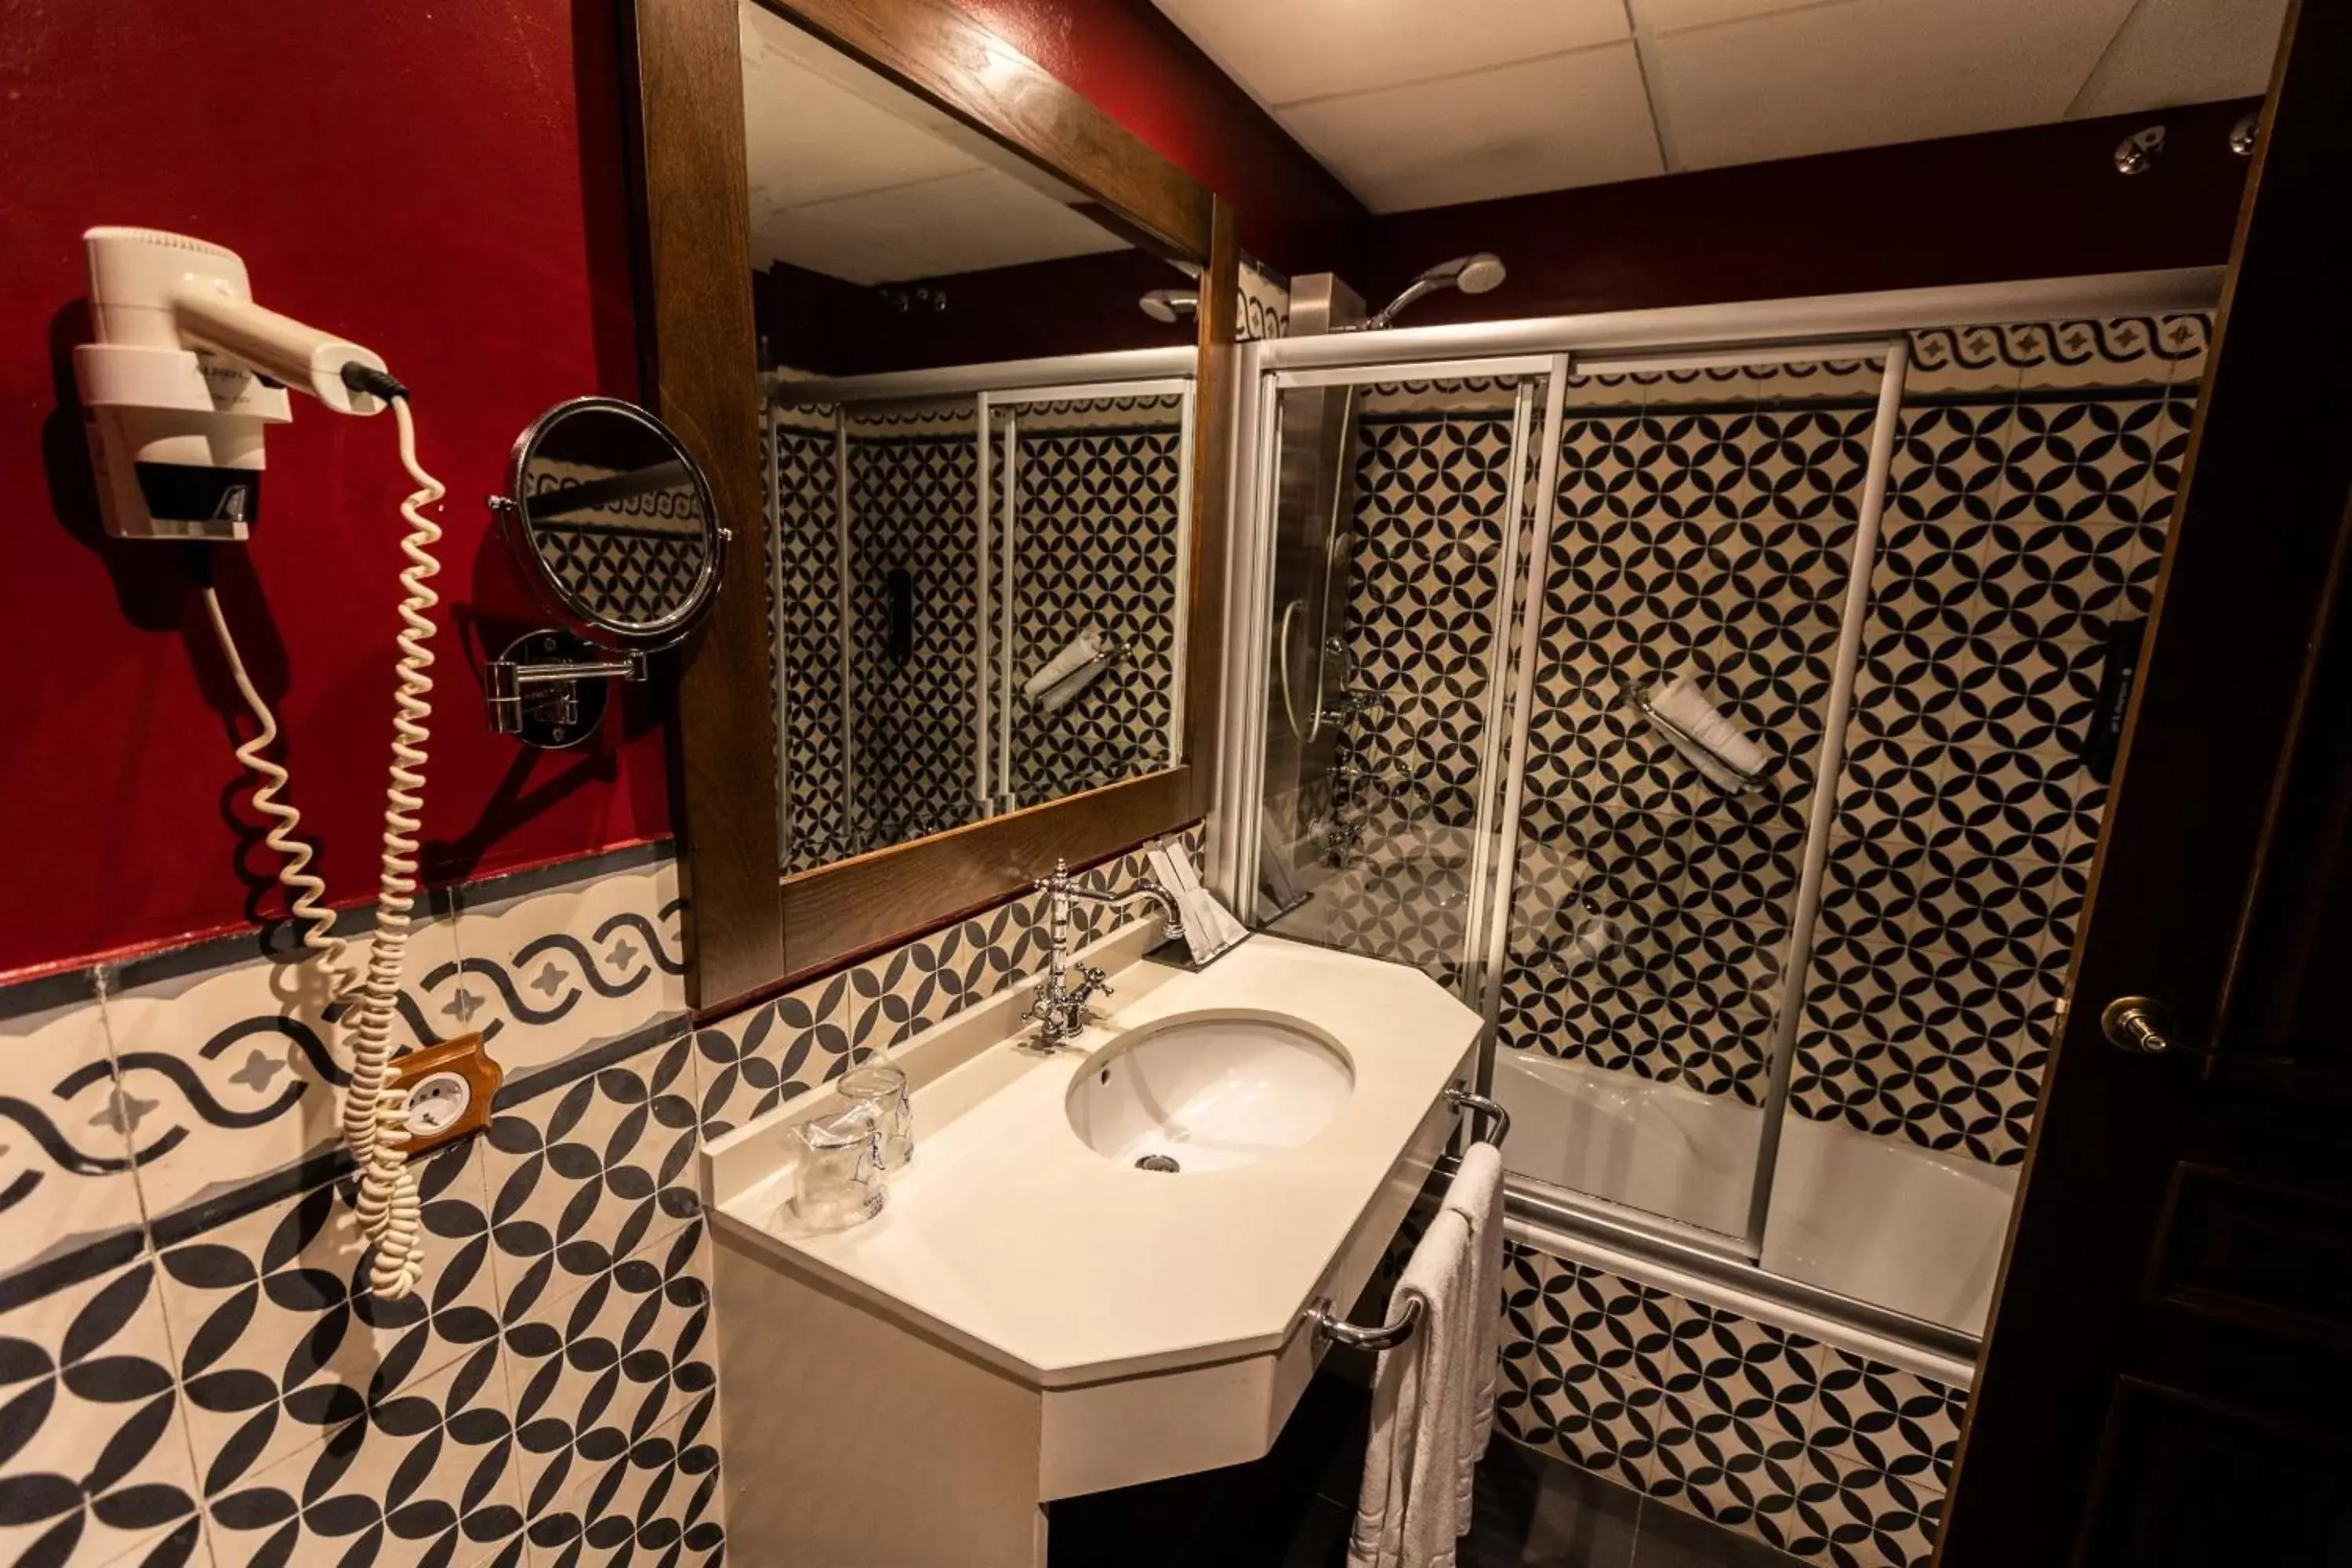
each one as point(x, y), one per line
point(1463, 579)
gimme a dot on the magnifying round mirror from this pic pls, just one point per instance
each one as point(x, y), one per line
point(612, 522)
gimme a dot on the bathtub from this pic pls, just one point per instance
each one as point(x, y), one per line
point(1876, 1219)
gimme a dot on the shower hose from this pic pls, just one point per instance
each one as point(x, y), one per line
point(374, 1115)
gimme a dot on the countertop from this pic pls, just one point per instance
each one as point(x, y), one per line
point(1009, 1237)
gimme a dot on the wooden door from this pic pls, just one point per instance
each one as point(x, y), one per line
point(2168, 1378)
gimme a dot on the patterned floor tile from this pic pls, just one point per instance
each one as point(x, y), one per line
point(591, 1172)
point(279, 1339)
point(427, 1477)
point(96, 1465)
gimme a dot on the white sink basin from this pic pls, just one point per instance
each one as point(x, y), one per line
point(1209, 1091)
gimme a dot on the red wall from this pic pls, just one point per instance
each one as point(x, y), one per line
point(443, 184)
point(440, 183)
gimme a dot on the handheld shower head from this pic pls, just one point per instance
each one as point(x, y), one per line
point(1166, 304)
point(1478, 274)
point(1472, 274)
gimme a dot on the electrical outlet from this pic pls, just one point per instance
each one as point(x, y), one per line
point(450, 1086)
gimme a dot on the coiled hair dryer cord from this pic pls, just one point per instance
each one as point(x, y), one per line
point(374, 1115)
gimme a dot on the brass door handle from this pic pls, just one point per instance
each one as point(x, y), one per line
point(2141, 1024)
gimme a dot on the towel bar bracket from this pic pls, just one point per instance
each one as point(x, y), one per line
point(1497, 1120)
point(1356, 1336)
point(1396, 1331)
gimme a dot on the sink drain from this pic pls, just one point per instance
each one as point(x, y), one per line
point(1157, 1163)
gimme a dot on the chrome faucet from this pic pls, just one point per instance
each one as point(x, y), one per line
point(1059, 1010)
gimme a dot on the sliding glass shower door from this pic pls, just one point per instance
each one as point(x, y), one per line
point(1705, 529)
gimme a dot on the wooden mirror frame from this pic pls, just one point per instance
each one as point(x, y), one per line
point(750, 930)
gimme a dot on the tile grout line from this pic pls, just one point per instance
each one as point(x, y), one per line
point(152, 1252)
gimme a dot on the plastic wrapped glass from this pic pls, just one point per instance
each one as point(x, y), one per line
point(878, 1088)
point(841, 1182)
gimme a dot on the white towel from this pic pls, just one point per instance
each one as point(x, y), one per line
point(1476, 1194)
point(1409, 1513)
point(1065, 691)
point(1084, 649)
point(1208, 928)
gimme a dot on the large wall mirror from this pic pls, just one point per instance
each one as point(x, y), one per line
point(981, 335)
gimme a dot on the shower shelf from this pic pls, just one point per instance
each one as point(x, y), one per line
point(1692, 748)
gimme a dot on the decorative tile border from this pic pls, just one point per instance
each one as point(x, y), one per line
point(1266, 300)
point(1809, 1448)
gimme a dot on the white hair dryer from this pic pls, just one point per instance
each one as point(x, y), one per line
point(185, 372)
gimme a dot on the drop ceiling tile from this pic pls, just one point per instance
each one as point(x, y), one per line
point(2185, 51)
point(1669, 15)
point(808, 139)
point(1572, 119)
point(1871, 72)
point(961, 224)
point(1286, 50)
point(806, 237)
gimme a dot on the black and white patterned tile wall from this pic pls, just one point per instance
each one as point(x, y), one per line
point(190, 1368)
point(878, 748)
point(1095, 544)
point(1813, 1449)
point(1704, 525)
point(914, 720)
point(2025, 524)
point(805, 611)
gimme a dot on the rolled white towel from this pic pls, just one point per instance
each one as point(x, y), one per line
point(1065, 691)
point(1681, 704)
point(1084, 649)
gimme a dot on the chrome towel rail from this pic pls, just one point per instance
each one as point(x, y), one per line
point(1397, 1329)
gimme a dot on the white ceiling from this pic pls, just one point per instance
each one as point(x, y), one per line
point(860, 180)
point(1416, 103)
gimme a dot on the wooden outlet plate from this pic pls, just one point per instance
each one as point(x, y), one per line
point(464, 1059)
